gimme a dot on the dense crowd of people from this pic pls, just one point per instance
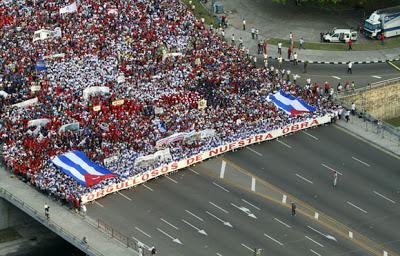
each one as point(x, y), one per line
point(127, 47)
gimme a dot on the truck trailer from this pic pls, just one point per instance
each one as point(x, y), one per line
point(386, 21)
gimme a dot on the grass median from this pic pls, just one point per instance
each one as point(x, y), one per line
point(394, 121)
point(201, 12)
point(370, 45)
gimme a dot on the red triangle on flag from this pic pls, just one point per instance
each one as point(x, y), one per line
point(94, 179)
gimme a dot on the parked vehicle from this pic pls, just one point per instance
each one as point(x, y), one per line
point(340, 35)
point(386, 21)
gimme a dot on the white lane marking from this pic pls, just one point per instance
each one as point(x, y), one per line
point(190, 169)
point(169, 223)
point(336, 77)
point(222, 173)
point(322, 234)
point(222, 209)
point(390, 200)
point(355, 206)
point(126, 197)
point(301, 177)
point(194, 215)
point(251, 204)
point(312, 136)
point(141, 231)
point(254, 151)
point(316, 253)
point(327, 167)
point(137, 240)
point(247, 247)
point(221, 187)
point(201, 231)
point(378, 77)
point(175, 240)
point(273, 239)
point(245, 210)
point(218, 254)
point(149, 188)
point(226, 223)
point(314, 241)
point(171, 179)
point(283, 223)
point(364, 163)
point(253, 184)
point(99, 204)
point(283, 143)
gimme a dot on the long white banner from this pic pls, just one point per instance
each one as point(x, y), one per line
point(143, 177)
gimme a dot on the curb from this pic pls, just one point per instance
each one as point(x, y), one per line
point(339, 62)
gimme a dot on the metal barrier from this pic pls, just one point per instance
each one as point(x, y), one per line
point(78, 242)
point(129, 242)
point(368, 87)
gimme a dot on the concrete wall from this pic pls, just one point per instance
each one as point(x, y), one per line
point(11, 216)
point(382, 102)
point(4, 221)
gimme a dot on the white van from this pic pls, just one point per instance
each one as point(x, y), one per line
point(340, 35)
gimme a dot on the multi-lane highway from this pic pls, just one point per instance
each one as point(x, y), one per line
point(210, 209)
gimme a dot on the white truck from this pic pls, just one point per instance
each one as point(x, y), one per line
point(386, 21)
point(340, 35)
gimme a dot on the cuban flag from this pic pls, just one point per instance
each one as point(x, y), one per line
point(40, 66)
point(289, 104)
point(78, 166)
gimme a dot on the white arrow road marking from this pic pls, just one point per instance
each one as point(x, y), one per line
point(358, 160)
point(378, 77)
point(322, 234)
point(245, 210)
point(221, 187)
point(355, 206)
point(222, 209)
point(327, 167)
point(126, 197)
point(314, 241)
point(201, 231)
point(251, 204)
point(273, 239)
point(175, 240)
point(336, 77)
point(169, 223)
point(247, 247)
point(316, 253)
point(390, 200)
point(141, 231)
point(226, 223)
point(301, 177)
point(283, 223)
point(194, 215)
point(310, 135)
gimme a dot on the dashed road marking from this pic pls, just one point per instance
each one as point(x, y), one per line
point(99, 204)
point(126, 197)
point(310, 135)
point(378, 77)
point(254, 151)
point(358, 160)
point(247, 247)
point(283, 223)
point(141, 231)
point(301, 177)
point(221, 187)
point(314, 241)
point(393, 65)
point(283, 143)
point(223, 166)
point(384, 197)
point(273, 239)
point(357, 207)
point(171, 179)
point(190, 169)
point(218, 207)
point(219, 254)
point(316, 253)
point(194, 215)
point(336, 77)
point(327, 167)
point(149, 188)
point(251, 204)
point(169, 224)
point(253, 184)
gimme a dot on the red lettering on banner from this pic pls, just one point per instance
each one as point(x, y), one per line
point(145, 176)
point(285, 130)
point(90, 197)
point(174, 166)
point(269, 136)
point(250, 140)
point(121, 185)
point(258, 138)
point(100, 194)
point(223, 149)
point(314, 122)
point(154, 173)
point(213, 152)
point(304, 125)
point(294, 127)
point(241, 143)
point(189, 161)
point(110, 189)
point(232, 145)
point(134, 181)
point(198, 158)
point(164, 169)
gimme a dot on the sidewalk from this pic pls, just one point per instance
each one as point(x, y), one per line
point(74, 226)
point(370, 133)
point(314, 56)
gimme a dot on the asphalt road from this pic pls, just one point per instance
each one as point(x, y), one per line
point(367, 196)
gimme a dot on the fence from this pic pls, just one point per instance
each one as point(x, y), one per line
point(78, 242)
point(129, 242)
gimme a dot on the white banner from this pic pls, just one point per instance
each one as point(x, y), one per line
point(69, 8)
point(38, 122)
point(42, 34)
point(173, 166)
point(161, 155)
point(3, 94)
point(207, 133)
point(93, 90)
point(26, 103)
point(69, 127)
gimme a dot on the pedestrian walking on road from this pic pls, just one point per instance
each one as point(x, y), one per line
point(280, 61)
point(47, 211)
point(349, 68)
point(335, 177)
point(301, 43)
point(289, 53)
point(382, 38)
point(347, 116)
point(295, 61)
point(353, 109)
point(305, 66)
point(244, 24)
point(280, 48)
point(257, 33)
point(233, 39)
point(290, 38)
point(293, 209)
point(350, 43)
point(253, 33)
point(240, 42)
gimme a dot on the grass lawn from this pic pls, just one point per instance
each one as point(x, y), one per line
point(394, 121)
point(9, 234)
point(368, 46)
point(201, 12)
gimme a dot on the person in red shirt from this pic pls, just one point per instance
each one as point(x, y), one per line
point(382, 38)
point(350, 43)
